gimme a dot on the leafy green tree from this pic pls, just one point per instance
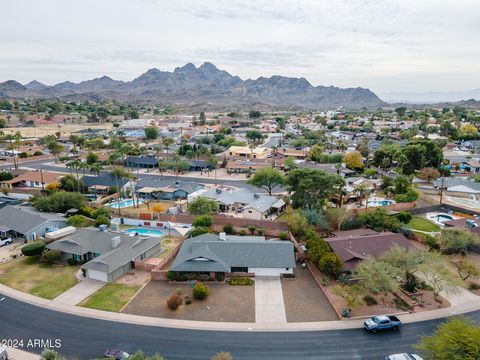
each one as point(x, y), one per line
point(92, 158)
point(311, 188)
point(254, 135)
point(457, 241)
point(5, 176)
point(55, 148)
point(267, 178)
point(317, 248)
point(297, 223)
point(102, 220)
point(401, 111)
point(203, 220)
point(330, 264)
point(289, 163)
point(202, 206)
point(77, 221)
point(200, 230)
point(58, 201)
point(151, 132)
point(377, 276)
point(401, 184)
point(202, 118)
point(379, 220)
point(457, 338)
point(255, 114)
point(167, 142)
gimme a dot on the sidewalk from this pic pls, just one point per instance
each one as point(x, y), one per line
point(224, 326)
point(18, 354)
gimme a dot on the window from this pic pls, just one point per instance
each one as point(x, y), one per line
point(239, 269)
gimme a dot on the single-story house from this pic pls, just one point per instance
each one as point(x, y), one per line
point(472, 165)
point(212, 254)
point(355, 245)
point(105, 179)
point(199, 165)
point(156, 188)
point(245, 151)
point(250, 204)
point(32, 179)
point(144, 162)
point(458, 185)
point(106, 255)
point(248, 165)
point(21, 221)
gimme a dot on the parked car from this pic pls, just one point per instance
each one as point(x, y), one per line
point(116, 354)
point(382, 322)
point(5, 241)
point(403, 356)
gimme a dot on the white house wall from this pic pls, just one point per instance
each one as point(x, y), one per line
point(270, 271)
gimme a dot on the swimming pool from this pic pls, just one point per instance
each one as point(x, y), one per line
point(441, 218)
point(380, 203)
point(124, 203)
point(145, 232)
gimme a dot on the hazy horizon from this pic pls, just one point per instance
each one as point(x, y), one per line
point(389, 46)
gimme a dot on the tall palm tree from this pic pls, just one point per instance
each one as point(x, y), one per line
point(363, 191)
point(213, 164)
point(96, 169)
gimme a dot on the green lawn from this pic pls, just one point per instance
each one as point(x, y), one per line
point(422, 224)
point(37, 278)
point(111, 297)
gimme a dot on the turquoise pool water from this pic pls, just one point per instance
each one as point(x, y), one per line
point(123, 203)
point(145, 232)
point(380, 203)
point(441, 218)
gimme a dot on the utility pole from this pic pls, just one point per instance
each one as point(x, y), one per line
point(441, 189)
point(41, 179)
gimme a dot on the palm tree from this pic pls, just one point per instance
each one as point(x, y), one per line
point(77, 163)
point(362, 190)
point(96, 169)
point(213, 164)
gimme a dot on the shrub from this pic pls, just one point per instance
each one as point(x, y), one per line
point(370, 300)
point(77, 221)
point(23, 155)
point(174, 301)
point(85, 211)
point(202, 221)
point(52, 256)
point(37, 153)
point(432, 242)
point(72, 261)
point(100, 212)
point(330, 264)
point(353, 223)
point(228, 229)
point(198, 231)
point(260, 232)
point(58, 201)
point(112, 190)
point(223, 356)
point(188, 300)
point(283, 235)
point(242, 233)
point(102, 220)
point(33, 249)
point(200, 291)
point(240, 281)
point(252, 229)
point(404, 216)
point(409, 196)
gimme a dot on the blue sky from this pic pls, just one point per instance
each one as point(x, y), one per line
point(385, 45)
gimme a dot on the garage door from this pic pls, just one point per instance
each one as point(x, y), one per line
point(266, 271)
point(97, 275)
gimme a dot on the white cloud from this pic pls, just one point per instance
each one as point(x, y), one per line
point(386, 45)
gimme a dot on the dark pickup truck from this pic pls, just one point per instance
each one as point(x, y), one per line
point(382, 322)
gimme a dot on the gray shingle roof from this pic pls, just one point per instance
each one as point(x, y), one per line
point(21, 220)
point(208, 253)
point(127, 251)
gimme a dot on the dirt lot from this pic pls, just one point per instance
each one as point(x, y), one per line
point(225, 303)
point(51, 129)
point(304, 300)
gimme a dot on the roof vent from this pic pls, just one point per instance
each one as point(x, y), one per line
point(102, 228)
point(177, 183)
point(222, 236)
point(256, 196)
point(218, 191)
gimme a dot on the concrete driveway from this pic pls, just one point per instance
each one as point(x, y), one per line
point(7, 250)
point(82, 290)
point(269, 306)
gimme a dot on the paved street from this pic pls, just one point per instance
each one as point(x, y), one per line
point(269, 306)
point(84, 338)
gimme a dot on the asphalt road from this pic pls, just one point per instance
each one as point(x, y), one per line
point(85, 338)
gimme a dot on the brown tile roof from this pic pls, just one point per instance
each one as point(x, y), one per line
point(352, 248)
point(48, 177)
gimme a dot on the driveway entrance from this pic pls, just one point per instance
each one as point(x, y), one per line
point(269, 306)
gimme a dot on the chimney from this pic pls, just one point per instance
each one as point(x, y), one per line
point(222, 236)
point(116, 241)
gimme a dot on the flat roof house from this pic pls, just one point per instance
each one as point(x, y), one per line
point(21, 221)
point(107, 255)
point(224, 254)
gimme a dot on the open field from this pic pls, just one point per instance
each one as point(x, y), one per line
point(37, 278)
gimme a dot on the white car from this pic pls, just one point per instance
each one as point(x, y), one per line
point(403, 356)
point(5, 241)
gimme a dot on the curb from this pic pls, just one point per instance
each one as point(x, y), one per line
point(224, 326)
